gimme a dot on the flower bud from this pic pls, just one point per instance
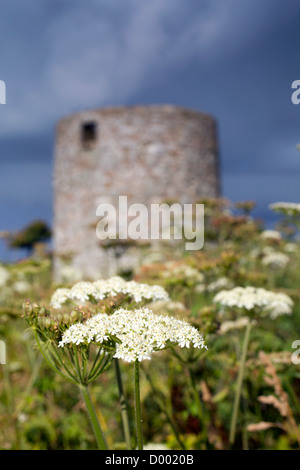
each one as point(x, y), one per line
point(74, 315)
point(42, 311)
point(29, 309)
point(35, 309)
point(59, 317)
point(47, 322)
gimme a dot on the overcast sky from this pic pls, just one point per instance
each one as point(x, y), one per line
point(235, 59)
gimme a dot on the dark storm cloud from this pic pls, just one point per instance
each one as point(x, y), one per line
point(57, 58)
point(235, 59)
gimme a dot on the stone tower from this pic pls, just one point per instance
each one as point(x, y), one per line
point(149, 153)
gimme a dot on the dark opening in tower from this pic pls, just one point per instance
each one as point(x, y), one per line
point(89, 133)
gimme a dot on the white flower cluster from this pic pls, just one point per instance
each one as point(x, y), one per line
point(4, 276)
point(140, 332)
point(214, 286)
point(290, 208)
point(267, 250)
point(155, 446)
point(99, 290)
point(70, 274)
point(251, 298)
point(276, 260)
point(166, 306)
point(59, 297)
point(21, 286)
point(182, 270)
point(221, 283)
point(234, 325)
point(271, 235)
point(200, 288)
point(291, 248)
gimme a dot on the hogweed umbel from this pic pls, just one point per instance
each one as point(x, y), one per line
point(254, 303)
point(72, 363)
point(110, 294)
point(138, 334)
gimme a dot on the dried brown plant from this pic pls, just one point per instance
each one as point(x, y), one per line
point(279, 400)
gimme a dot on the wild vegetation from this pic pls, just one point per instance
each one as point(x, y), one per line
point(206, 360)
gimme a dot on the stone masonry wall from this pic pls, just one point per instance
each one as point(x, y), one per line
point(149, 153)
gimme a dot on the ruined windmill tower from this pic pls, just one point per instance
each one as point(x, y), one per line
point(149, 153)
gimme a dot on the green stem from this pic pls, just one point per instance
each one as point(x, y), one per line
point(93, 417)
point(198, 403)
point(77, 366)
point(290, 390)
point(123, 404)
point(99, 369)
point(96, 361)
point(137, 399)
point(163, 406)
point(239, 385)
point(62, 362)
point(28, 390)
point(49, 362)
point(11, 405)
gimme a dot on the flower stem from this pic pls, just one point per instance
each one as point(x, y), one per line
point(123, 403)
point(198, 403)
point(164, 408)
point(93, 417)
point(137, 399)
point(239, 385)
point(50, 362)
